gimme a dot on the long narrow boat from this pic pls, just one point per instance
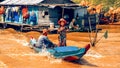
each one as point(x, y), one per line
point(67, 52)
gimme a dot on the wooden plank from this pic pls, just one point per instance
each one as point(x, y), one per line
point(13, 24)
point(26, 25)
point(2, 22)
point(16, 24)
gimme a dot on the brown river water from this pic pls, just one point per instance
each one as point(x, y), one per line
point(15, 52)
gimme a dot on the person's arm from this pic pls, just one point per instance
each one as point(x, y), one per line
point(62, 28)
point(46, 39)
point(70, 25)
point(50, 43)
point(58, 30)
point(67, 29)
point(39, 43)
point(75, 25)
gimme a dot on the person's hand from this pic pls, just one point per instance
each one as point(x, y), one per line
point(76, 27)
point(55, 45)
point(67, 30)
point(58, 30)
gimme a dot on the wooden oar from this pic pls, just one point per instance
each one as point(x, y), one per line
point(105, 35)
point(90, 31)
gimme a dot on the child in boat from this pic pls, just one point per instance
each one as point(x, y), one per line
point(62, 32)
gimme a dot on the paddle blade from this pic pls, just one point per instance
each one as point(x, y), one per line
point(106, 34)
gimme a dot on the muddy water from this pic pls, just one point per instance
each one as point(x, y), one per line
point(15, 52)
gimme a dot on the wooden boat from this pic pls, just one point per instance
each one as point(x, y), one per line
point(67, 52)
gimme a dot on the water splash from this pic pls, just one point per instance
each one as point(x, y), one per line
point(44, 52)
point(93, 54)
point(50, 57)
point(23, 42)
point(3, 65)
point(52, 61)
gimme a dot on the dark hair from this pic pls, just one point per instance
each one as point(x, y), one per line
point(94, 9)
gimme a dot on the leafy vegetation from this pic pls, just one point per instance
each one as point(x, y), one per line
point(106, 3)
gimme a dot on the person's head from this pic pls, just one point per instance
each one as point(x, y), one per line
point(31, 37)
point(45, 32)
point(62, 22)
point(73, 20)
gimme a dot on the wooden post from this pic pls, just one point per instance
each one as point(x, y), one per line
point(90, 31)
point(63, 12)
point(4, 25)
point(21, 27)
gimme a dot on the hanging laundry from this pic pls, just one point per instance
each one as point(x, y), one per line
point(16, 14)
point(2, 10)
point(25, 13)
point(1, 18)
point(15, 9)
point(9, 14)
point(33, 18)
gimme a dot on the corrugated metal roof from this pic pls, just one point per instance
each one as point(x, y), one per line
point(6, 1)
point(57, 2)
point(21, 2)
point(35, 2)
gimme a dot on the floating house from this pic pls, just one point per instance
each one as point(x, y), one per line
point(42, 12)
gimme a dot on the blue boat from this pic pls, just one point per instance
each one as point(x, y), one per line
point(67, 52)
